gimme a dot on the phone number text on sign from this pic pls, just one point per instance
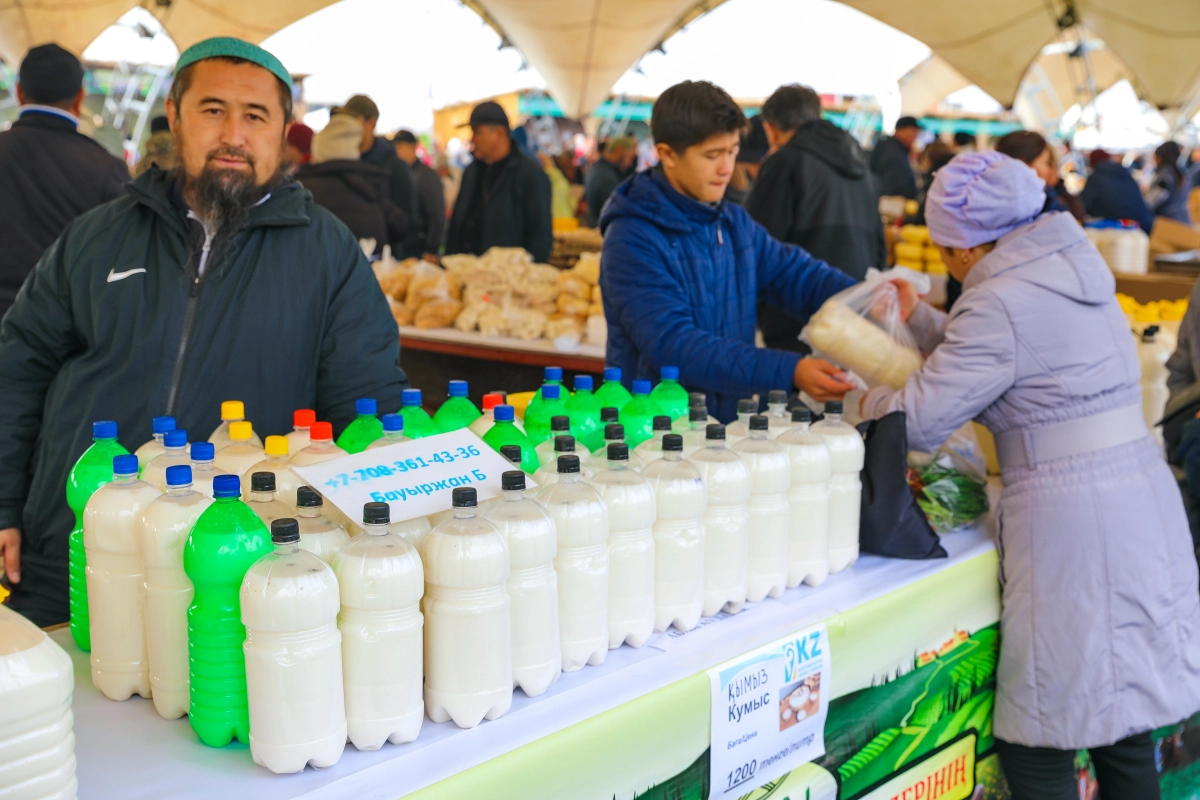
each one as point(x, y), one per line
point(394, 468)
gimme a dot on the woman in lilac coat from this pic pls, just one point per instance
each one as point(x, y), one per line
point(1100, 629)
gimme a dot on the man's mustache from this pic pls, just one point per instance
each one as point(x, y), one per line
point(232, 152)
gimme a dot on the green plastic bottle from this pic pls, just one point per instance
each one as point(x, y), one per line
point(91, 471)
point(226, 540)
point(505, 432)
point(417, 424)
point(551, 375)
point(638, 415)
point(537, 421)
point(365, 428)
point(584, 410)
point(612, 392)
point(672, 399)
point(458, 411)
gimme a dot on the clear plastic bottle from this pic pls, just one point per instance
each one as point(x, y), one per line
point(740, 428)
point(363, 429)
point(417, 422)
point(381, 581)
point(393, 432)
point(581, 563)
point(242, 452)
point(468, 638)
point(458, 411)
point(683, 423)
point(547, 473)
point(319, 534)
point(164, 529)
point(115, 575)
point(416, 530)
point(584, 411)
point(612, 393)
point(532, 584)
point(638, 415)
point(631, 505)
point(672, 399)
point(231, 411)
point(550, 375)
point(486, 420)
point(614, 433)
point(726, 523)
point(608, 416)
point(652, 448)
point(302, 420)
point(770, 478)
point(678, 537)
point(279, 464)
point(696, 435)
point(203, 469)
point(175, 451)
point(290, 603)
point(560, 425)
point(537, 418)
point(779, 419)
point(155, 447)
point(37, 753)
point(320, 449)
point(808, 502)
point(504, 431)
point(846, 454)
point(262, 500)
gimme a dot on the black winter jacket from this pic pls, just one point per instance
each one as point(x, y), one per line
point(403, 186)
point(113, 323)
point(515, 213)
point(427, 235)
point(893, 170)
point(358, 194)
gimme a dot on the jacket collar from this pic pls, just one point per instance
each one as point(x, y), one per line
point(649, 195)
point(47, 117)
point(1049, 233)
point(285, 206)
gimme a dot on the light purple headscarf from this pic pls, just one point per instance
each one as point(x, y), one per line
point(979, 197)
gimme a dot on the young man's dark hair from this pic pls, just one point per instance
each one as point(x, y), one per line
point(690, 112)
point(1022, 145)
point(791, 106)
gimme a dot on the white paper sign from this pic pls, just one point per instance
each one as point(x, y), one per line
point(415, 478)
point(768, 712)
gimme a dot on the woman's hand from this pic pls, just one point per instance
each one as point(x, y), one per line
point(908, 297)
point(822, 380)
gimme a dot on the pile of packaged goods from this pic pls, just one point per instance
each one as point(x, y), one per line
point(915, 251)
point(219, 585)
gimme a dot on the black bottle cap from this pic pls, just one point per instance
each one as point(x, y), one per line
point(377, 514)
point(833, 407)
point(672, 441)
point(662, 423)
point(284, 530)
point(614, 430)
point(564, 444)
point(714, 431)
point(609, 414)
point(697, 414)
point(512, 452)
point(513, 479)
point(697, 399)
point(801, 414)
point(777, 396)
point(307, 497)
point(560, 422)
point(568, 464)
point(465, 497)
point(747, 405)
point(758, 423)
point(618, 451)
point(262, 482)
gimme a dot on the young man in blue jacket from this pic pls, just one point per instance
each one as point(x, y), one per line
point(682, 271)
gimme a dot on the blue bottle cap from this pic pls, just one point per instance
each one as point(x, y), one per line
point(104, 429)
point(458, 388)
point(669, 374)
point(365, 406)
point(612, 374)
point(175, 438)
point(393, 423)
point(583, 383)
point(553, 373)
point(550, 391)
point(179, 475)
point(162, 424)
point(125, 465)
point(641, 387)
point(227, 486)
point(410, 397)
point(203, 451)
point(503, 413)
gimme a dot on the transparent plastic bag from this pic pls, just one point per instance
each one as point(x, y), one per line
point(950, 490)
point(862, 330)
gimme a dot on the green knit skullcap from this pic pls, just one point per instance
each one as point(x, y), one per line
point(229, 47)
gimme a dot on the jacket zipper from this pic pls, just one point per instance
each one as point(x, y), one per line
point(189, 317)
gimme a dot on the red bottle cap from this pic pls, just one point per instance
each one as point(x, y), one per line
point(320, 431)
point(303, 418)
point(492, 400)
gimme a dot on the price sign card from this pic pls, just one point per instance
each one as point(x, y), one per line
point(768, 712)
point(415, 478)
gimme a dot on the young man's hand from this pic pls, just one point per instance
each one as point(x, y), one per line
point(10, 549)
point(821, 380)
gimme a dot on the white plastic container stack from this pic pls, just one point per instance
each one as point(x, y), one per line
point(740, 428)
point(262, 499)
point(319, 535)
point(808, 502)
point(581, 564)
point(278, 464)
point(1126, 249)
point(37, 745)
point(468, 650)
point(175, 451)
point(155, 447)
point(532, 584)
point(770, 479)
point(631, 504)
point(164, 529)
point(726, 523)
point(290, 603)
point(381, 581)
point(846, 452)
point(678, 537)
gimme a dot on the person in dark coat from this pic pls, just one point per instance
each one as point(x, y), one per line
point(891, 162)
point(425, 239)
point(504, 197)
point(752, 151)
point(1112, 193)
point(356, 192)
point(220, 280)
point(1168, 193)
point(49, 172)
point(816, 191)
point(606, 175)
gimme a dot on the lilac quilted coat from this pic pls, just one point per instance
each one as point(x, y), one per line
point(1101, 620)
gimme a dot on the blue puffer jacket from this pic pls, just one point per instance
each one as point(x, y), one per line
point(681, 280)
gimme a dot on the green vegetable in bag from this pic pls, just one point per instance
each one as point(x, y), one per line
point(948, 489)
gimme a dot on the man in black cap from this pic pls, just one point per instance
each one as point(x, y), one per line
point(890, 160)
point(425, 239)
point(504, 198)
point(379, 151)
point(49, 172)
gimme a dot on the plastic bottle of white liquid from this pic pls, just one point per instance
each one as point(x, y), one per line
point(381, 582)
point(37, 752)
point(320, 449)
point(319, 534)
point(846, 452)
point(203, 469)
point(726, 523)
point(165, 525)
point(678, 537)
point(532, 583)
point(808, 502)
point(262, 500)
point(231, 411)
point(684, 421)
point(415, 530)
point(651, 449)
point(302, 420)
point(779, 419)
point(393, 432)
point(111, 522)
point(155, 447)
point(290, 604)
point(485, 422)
point(770, 479)
point(278, 463)
point(175, 451)
point(581, 563)
point(468, 638)
point(560, 425)
point(614, 432)
point(695, 435)
point(740, 428)
point(564, 444)
point(631, 504)
point(242, 452)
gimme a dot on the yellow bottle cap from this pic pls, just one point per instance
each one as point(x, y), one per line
point(239, 431)
point(276, 445)
point(233, 409)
